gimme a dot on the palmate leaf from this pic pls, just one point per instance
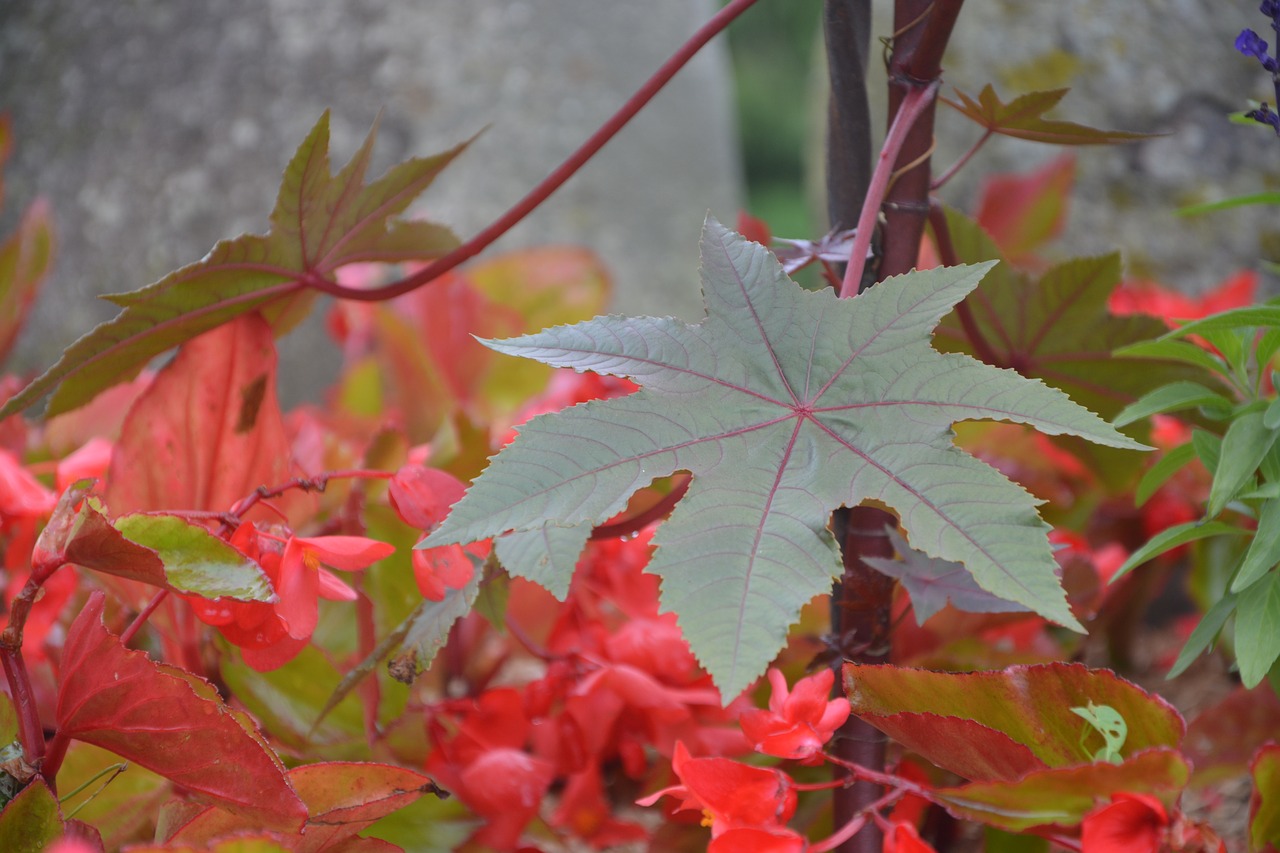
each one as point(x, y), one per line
point(321, 222)
point(783, 404)
point(1023, 117)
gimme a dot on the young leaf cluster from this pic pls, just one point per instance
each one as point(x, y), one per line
point(1241, 451)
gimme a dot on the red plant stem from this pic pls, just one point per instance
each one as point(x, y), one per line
point(862, 600)
point(366, 641)
point(128, 634)
point(552, 182)
point(854, 826)
point(30, 732)
point(913, 106)
point(631, 524)
point(947, 252)
point(307, 484)
point(53, 758)
point(964, 158)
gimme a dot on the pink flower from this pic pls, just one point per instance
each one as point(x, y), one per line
point(303, 581)
point(800, 721)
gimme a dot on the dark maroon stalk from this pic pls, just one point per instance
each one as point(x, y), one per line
point(552, 182)
point(862, 599)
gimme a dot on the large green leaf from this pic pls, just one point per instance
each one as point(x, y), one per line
point(321, 222)
point(783, 404)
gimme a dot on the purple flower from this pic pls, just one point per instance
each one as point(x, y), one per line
point(1251, 44)
point(1271, 8)
point(1266, 115)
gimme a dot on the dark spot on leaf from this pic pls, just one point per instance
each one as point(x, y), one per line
point(251, 397)
point(404, 667)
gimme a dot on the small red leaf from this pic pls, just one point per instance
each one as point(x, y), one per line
point(1023, 212)
point(171, 722)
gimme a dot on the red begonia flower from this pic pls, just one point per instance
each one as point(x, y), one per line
point(730, 794)
point(903, 838)
point(758, 840)
point(799, 721)
point(303, 581)
point(1130, 823)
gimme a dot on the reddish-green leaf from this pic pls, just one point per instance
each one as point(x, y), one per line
point(342, 798)
point(170, 722)
point(31, 820)
point(208, 431)
point(1264, 805)
point(1023, 212)
point(933, 583)
point(1030, 705)
point(1063, 796)
point(321, 222)
point(784, 404)
point(1023, 117)
point(1222, 739)
point(196, 561)
point(1057, 328)
point(241, 843)
point(163, 551)
point(25, 259)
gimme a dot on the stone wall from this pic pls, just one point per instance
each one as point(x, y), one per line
point(158, 127)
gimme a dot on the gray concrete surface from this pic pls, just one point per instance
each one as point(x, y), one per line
point(157, 127)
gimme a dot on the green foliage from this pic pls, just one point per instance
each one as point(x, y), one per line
point(1243, 456)
point(794, 403)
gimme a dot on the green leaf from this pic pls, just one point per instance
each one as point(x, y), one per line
point(1158, 474)
point(1264, 550)
point(1172, 537)
point(1109, 723)
point(1264, 809)
point(31, 820)
point(195, 560)
point(1208, 448)
point(418, 638)
point(1243, 447)
point(1229, 203)
point(321, 222)
point(1257, 640)
point(1271, 417)
point(784, 404)
point(1169, 398)
point(1023, 118)
point(1203, 636)
point(1183, 351)
point(1063, 796)
point(1251, 317)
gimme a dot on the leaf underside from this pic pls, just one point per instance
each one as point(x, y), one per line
point(783, 404)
